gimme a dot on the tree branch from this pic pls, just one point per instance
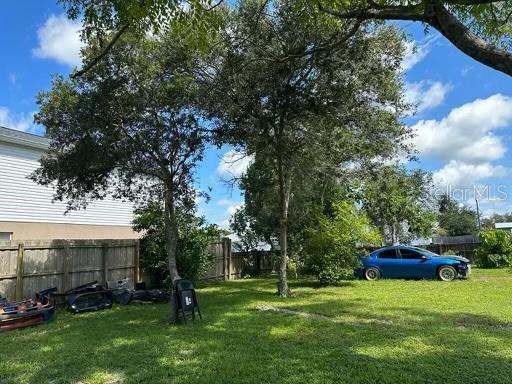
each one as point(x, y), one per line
point(104, 51)
point(215, 5)
point(436, 15)
point(469, 43)
point(410, 12)
point(472, 2)
point(326, 47)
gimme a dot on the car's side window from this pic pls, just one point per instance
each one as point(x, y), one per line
point(388, 254)
point(410, 254)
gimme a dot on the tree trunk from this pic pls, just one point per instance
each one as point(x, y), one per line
point(394, 234)
point(171, 241)
point(284, 198)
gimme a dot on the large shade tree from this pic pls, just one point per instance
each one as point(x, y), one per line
point(399, 202)
point(279, 95)
point(455, 219)
point(315, 189)
point(128, 128)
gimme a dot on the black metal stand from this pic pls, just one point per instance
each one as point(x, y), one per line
point(186, 299)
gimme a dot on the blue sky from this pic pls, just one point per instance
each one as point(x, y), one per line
point(463, 120)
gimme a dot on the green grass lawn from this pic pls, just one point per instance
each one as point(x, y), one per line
point(378, 332)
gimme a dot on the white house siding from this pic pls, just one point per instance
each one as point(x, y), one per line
point(22, 200)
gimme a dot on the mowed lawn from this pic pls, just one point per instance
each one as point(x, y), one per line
point(375, 332)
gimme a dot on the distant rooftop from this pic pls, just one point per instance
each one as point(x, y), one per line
point(503, 225)
point(13, 136)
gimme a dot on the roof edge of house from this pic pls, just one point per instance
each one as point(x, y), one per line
point(13, 136)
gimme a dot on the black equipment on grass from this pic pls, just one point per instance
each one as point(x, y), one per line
point(84, 298)
point(186, 299)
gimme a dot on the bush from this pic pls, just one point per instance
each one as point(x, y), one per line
point(331, 248)
point(194, 235)
point(450, 252)
point(495, 250)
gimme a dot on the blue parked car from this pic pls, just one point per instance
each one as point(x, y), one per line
point(410, 262)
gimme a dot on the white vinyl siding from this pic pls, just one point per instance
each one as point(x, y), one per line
point(22, 200)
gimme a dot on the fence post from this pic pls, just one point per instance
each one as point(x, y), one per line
point(225, 266)
point(230, 261)
point(104, 262)
point(66, 267)
point(20, 271)
point(136, 261)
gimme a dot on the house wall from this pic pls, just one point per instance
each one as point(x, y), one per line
point(27, 210)
point(50, 231)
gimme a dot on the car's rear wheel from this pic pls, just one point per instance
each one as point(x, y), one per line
point(447, 273)
point(372, 274)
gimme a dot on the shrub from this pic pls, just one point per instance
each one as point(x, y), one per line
point(194, 235)
point(331, 247)
point(495, 250)
point(450, 252)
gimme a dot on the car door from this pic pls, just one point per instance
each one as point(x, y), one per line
point(388, 262)
point(416, 264)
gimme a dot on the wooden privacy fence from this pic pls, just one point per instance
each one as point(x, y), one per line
point(256, 263)
point(26, 267)
point(224, 266)
point(462, 245)
point(229, 265)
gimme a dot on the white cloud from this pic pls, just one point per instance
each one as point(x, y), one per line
point(225, 202)
point(230, 211)
point(488, 208)
point(20, 122)
point(230, 207)
point(59, 39)
point(465, 70)
point(234, 163)
point(12, 78)
point(416, 51)
point(467, 133)
point(458, 173)
point(413, 55)
point(233, 208)
point(426, 94)
point(198, 196)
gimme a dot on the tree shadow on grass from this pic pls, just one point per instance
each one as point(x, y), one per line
point(238, 344)
point(315, 284)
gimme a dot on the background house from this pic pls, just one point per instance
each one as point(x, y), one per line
point(505, 226)
point(27, 210)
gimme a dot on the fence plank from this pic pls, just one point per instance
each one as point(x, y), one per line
point(227, 245)
point(66, 268)
point(224, 260)
point(136, 261)
point(19, 271)
point(104, 262)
